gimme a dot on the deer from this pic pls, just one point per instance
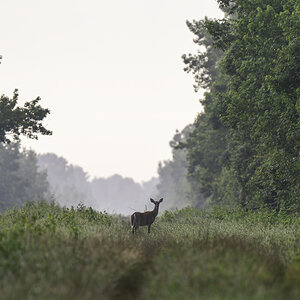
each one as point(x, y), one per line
point(146, 218)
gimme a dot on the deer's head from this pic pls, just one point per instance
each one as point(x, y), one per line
point(156, 203)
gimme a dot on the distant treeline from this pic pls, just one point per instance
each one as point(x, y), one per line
point(20, 179)
point(70, 185)
point(26, 176)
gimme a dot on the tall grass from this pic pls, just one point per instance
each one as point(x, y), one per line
point(48, 252)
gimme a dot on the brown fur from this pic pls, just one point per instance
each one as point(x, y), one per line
point(144, 219)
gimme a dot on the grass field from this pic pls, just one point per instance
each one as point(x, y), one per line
point(47, 252)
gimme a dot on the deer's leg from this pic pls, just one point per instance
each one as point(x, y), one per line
point(135, 228)
point(149, 228)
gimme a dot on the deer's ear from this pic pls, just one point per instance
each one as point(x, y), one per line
point(152, 200)
point(161, 200)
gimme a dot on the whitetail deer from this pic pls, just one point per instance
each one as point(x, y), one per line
point(146, 218)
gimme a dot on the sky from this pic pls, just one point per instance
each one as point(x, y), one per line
point(111, 74)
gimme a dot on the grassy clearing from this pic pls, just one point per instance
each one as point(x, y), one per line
point(47, 252)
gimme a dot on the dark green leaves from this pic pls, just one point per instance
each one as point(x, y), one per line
point(16, 121)
point(256, 98)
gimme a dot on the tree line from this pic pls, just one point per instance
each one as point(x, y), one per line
point(27, 176)
point(244, 148)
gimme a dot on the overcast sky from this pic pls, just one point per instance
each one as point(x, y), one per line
point(110, 72)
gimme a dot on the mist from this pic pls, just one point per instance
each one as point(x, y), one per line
point(70, 185)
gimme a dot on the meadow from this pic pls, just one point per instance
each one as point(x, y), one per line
point(49, 252)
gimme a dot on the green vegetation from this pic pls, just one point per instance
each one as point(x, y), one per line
point(48, 252)
point(259, 106)
point(16, 120)
point(240, 160)
point(245, 145)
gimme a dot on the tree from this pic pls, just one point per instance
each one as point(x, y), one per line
point(20, 180)
point(174, 181)
point(207, 144)
point(260, 106)
point(16, 121)
point(67, 183)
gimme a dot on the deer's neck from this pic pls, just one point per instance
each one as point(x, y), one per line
point(155, 211)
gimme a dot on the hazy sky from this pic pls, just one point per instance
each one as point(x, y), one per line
point(110, 72)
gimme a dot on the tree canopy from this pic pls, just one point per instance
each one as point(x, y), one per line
point(246, 144)
point(16, 120)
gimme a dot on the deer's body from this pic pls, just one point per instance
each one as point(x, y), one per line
point(145, 219)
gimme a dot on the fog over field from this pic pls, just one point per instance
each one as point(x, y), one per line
point(70, 185)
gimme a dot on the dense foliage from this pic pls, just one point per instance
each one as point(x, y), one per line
point(245, 147)
point(20, 180)
point(48, 252)
point(16, 120)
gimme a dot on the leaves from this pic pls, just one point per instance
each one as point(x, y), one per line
point(251, 110)
point(16, 121)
